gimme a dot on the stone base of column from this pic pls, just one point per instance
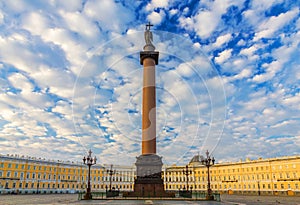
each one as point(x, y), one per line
point(149, 182)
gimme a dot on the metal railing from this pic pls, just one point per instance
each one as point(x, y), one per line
point(195, 196)
point(203, 195)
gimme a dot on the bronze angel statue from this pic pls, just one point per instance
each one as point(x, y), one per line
point(148, 37)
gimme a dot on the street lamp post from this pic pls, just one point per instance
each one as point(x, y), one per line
point(37, 186)
point(111, 172)
point(186, 193)
point(89, 161)
point(112, 192)
point(208, 162)
point(187, 172)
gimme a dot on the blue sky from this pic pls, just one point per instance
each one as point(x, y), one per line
point(227, 80)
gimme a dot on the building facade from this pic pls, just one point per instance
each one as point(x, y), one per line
point(31, 175)
point(276, 176)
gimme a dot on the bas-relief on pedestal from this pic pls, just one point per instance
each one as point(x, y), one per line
point(149, 165)
point(149, 181)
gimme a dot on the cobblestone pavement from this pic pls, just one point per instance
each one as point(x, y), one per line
point(38, 199)
point(260, 200)
point(55, 199)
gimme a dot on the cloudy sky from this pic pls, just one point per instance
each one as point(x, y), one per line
point(227, 80)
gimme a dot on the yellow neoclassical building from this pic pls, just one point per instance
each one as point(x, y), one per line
point(20, 174)
point(275, 176)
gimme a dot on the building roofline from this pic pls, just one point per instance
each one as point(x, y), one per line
point(192, 165)
point(45, 161)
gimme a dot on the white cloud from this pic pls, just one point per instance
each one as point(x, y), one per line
point(35, 22)
point(19, 81)
point(298, 24)
point(205, 23)
point(80, 24)
point(197, 45)
point(1, 17)
point(252, 17)
point(187, 23)
point(185, 70)
point(245, 73)
point(71, 6)
point(239, 62)
point(185, 10)
point(222, 39)
point(110, 15)
point(241, 43)
point(256, 14)
point(173, 12)
point(156, 18)
point(223, 56)
point(264, 5)
point(58, 36)
point(282, 55)
point(17, 6)
point(249, 51)
point(267, 28)
point(293, 101)
point(157, 4)
point(59, 82)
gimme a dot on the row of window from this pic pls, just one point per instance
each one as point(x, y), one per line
point(27, 185)
point(37, 176)
point(61, 177)
point(236, 177)
point(43, 168)
point(173, 178)
point(234, 170)
point(226, 186)
point(38, 185)
point(65, 170)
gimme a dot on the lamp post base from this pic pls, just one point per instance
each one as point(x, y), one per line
point(88, 196)
point(112, 193)
point(185, 193)
point(209, 197)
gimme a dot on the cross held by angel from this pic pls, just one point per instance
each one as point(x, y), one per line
point(148, 36)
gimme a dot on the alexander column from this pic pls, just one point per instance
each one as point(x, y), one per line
point(148, 164)
point(149, 58)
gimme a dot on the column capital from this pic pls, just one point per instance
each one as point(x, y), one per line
point(149, 54)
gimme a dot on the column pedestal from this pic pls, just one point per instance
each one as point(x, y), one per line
point(149, 182)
